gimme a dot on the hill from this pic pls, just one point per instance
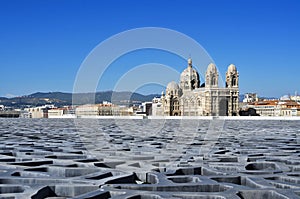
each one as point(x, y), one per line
point(61, 99)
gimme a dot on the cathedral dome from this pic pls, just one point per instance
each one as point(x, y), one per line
point(188, 72)
point(172, 86)
point(189, 78)
point(231, 68)
point(212, 68)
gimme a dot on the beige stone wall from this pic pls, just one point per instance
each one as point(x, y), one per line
point(36, 112)
point(52, 113)
point(87, 110)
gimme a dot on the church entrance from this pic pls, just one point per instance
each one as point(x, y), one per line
point(223, 107)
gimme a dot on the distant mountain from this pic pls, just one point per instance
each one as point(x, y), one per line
point(52, 95)
point(62, 99)
point(121, 98)
point(3, 98)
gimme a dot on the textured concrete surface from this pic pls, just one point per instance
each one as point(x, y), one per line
point(149, 159)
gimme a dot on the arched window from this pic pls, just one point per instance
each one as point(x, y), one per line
point(192, 103)
point(176, 105)
point(186, 103)
point(213, 80)
point(233, 81)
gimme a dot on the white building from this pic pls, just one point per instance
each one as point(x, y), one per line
point(295, 98)
point(39, 112)
point(276, 108)
point(157, 108)
point(250, 97)
point(189, 99)
point(106, 109)
point(55, 113)
point(87, 110)
point(265, 108)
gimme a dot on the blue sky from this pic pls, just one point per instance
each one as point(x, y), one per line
point(43, 43)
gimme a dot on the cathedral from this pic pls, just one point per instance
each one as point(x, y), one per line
point(188, 98)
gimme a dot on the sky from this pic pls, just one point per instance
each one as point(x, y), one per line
point(43, 43)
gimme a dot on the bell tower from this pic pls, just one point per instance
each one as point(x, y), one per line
point(232, 77)
point(212, 76)
point(232, 84)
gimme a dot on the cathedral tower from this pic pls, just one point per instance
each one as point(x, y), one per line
point(189, 78)
point(232, 77)
point(232, 83)
point(212, 76)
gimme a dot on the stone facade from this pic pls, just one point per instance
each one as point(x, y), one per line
point(189, 99)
